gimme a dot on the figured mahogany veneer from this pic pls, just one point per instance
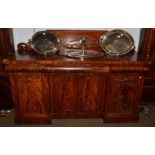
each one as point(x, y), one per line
point(124, 96)
point(50, 87)
point(31, 97)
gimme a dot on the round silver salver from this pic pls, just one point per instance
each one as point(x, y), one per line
point(117, 42)
point(44, 42)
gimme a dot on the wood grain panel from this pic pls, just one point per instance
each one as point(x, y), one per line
point(30, 94)
point(77, 94)
point(63, 92)
point(91, 94)
point(124, 95)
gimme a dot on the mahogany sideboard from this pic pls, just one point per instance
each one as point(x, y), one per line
point(49, 87)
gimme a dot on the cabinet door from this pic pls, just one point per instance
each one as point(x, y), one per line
point(31, 98)
point(123, 95)
point(77, 94)
point(91, 95)
point(63, 94)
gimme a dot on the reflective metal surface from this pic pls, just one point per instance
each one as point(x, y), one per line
point(83, 53)
point(78, 53)
point(83, 43)
point(44, 42)
point(117, 42)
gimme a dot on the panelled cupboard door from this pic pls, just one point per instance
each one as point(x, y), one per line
point(91, 95)
point(77, 94)
point(124, 91)
point(63, 93)
point(31, 96)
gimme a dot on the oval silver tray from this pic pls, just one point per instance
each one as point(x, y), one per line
point(77, 53)
point(117, 42)
point(44, 42)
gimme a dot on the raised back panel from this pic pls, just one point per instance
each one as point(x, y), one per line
point(71, 38)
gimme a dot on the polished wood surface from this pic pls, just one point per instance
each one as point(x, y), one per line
point(124, 94)
point(47, 87)
point(31, 97)
point(77, 94)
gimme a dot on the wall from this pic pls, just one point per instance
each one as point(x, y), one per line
point(23, 34)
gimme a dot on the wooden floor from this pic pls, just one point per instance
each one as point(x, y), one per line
point(146, 120)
